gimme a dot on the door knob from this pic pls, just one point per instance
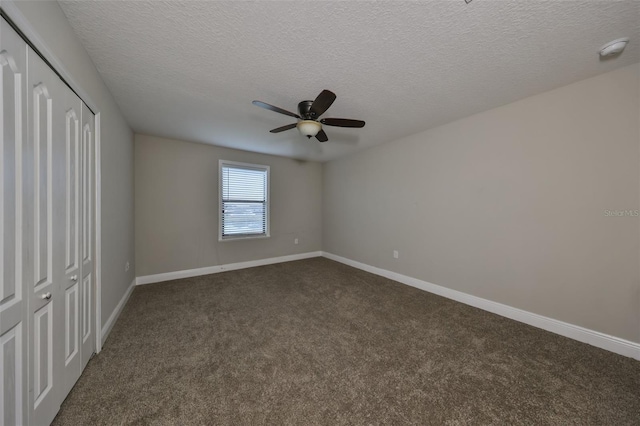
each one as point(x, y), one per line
point(46, 295)
point(74, 278)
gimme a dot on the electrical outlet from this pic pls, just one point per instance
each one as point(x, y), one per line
point(396, 254)
point(126, 267)
point(295, 241)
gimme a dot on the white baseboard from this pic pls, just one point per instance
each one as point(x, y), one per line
point(106, 329)
point(187, 273)
point(581, 334)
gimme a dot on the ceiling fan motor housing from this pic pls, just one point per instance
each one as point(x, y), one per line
point(304, 108)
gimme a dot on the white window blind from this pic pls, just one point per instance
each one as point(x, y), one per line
point(243, 200)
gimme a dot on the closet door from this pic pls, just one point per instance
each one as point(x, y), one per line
point(13, 288)
point(71, 169)
point(47, 248)
point(88, 235)
point(55, 154)
point(46, 143)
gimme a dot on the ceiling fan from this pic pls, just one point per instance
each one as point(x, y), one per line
point(310, 123)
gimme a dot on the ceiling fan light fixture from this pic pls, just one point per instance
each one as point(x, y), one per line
point(309, 128)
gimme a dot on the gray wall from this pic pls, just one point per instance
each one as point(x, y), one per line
point(48, 20)
point(176, 208)
point(509, 204)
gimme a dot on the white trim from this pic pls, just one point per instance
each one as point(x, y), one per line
point(581, 334)
point(98, 232)
point(116, 313)
point(187, 273)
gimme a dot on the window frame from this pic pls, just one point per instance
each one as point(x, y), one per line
point(267, 208)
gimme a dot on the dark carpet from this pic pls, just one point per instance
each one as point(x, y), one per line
point(317, 342)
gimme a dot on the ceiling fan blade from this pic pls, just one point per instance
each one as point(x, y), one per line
point(323, 102)
point(275, 108)
point(322, 136)
point(283, 128)
point(342, 122)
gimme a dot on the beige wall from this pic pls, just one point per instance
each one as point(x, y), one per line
point(508, 204)
point(176, 206)
point(49, 22)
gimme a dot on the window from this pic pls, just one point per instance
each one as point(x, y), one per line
point(244, 200)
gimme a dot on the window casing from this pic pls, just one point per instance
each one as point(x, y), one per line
point(244, 200)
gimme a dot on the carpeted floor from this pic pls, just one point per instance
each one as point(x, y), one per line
point(317, 342)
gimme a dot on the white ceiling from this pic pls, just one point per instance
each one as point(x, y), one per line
point(189, 70)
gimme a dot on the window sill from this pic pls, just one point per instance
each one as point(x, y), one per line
point(244, 237)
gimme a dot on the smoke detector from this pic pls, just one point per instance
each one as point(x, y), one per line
point(614, 47)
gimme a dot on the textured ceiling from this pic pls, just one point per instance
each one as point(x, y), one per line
point(189, 70)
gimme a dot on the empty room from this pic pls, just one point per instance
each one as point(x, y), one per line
point(320, 212)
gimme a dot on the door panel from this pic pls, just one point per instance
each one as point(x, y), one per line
point(43, 354)
point(72, 142)
point(87, 311)
point(44, 186)
point(13, 291)
point(88, 234)
point(42, 159)
point(87, 188)
point(71, 332)
point(11, 362)
point(70, 203)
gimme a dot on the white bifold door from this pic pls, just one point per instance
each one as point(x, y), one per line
point(47, 294)
point(14, 313)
